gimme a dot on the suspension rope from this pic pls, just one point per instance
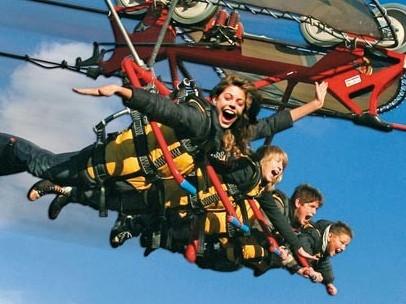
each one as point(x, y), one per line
point(71, 6)
point(46, 64)
point(151, 61)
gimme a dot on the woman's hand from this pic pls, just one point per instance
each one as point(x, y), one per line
point(321, 91)
point(107, 90)
point(314, 105)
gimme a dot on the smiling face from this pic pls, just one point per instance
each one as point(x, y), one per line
point(337, 243)
point(230, 105)
point(305, 211)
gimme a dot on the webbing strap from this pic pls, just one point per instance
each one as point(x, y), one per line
point(232, 190)
point(188, 146)
point(244, 212)
point(201, 221)
point(141, 145)
point(148, 166)
point(160, 161)
point(100, 173)
point(208, 200)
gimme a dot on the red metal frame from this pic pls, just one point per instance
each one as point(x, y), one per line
point(337, 67)
point(135, 74)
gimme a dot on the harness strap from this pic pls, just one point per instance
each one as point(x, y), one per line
point(149, 167)
point(244, 212)
point(159, 235)
point(141, 145)
point(188, 146)
point(208, 200)
point(160, 161)
point(201, 221)
point(203, 105)
point(98, 159)
point(232, 190)
point(100, 173)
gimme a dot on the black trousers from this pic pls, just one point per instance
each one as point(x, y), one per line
point(20, 155)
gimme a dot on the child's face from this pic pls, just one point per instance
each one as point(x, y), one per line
point(272, 169)
point(305, 211)
point(230, 105)
point(337, 243)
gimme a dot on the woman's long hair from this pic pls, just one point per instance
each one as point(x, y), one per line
point(236, 139)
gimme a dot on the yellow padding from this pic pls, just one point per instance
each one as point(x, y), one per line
point(121, 160)
point(252, 252)
point(216, 222)
point(174, 196)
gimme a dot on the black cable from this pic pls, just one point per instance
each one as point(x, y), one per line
point(85, 8)
point(43, 63)
point(72, 6)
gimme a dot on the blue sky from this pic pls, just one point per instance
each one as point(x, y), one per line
point(361, 172)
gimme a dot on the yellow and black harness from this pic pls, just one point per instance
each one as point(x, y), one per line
point(134, 156)
point(206, 213)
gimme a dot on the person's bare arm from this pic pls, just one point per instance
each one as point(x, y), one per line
point(312, 106)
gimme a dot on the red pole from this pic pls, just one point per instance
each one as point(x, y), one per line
point(134, 73)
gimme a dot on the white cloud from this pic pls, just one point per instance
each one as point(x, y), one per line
point(11, 297)
point(39, 105)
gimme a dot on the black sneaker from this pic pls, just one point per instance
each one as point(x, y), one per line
point(121, 231)
point(44, 187)
point(56, 206)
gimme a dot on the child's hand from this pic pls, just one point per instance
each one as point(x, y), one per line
point(306, 255)
point(321, 91)
point(284, 254)
point(331, 289)
point(314, 276)
point(310, 273)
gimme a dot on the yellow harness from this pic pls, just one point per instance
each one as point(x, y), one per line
point(121, 158)
point(122, 161)
point(208, 199)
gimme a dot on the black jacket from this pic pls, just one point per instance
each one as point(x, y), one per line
point(312, 240)
point(189, 121)
point(279, 220)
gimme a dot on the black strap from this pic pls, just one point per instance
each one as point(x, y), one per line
point(98, 162)
point(197, 225)
point(141, 145)
point(244, 212)
point(201, 222)
point(203, 103)
point(100, 173)
point(98, 159)
point(187, 145)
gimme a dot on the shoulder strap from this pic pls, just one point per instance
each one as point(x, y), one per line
point(204, 106)
point(141, 145)
point(282, 200)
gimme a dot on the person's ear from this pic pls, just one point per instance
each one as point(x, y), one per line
point(329, 236)
point(214, 100)
point(297, 203)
